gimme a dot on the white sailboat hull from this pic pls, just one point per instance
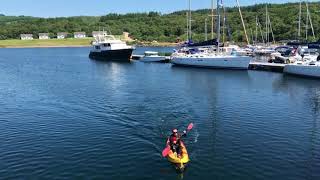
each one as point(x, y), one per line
point(219, 62)
point(303, 70)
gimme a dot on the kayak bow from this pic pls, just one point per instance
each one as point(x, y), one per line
point(179, 161)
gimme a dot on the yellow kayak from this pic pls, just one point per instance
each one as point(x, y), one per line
point(179, 161)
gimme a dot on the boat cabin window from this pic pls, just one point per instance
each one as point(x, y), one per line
point(97, 47)
point(106, 44)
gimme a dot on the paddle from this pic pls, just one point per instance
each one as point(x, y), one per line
point(166, 151)
point(190, 127)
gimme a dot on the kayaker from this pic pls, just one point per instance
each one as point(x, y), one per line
point(175, 141)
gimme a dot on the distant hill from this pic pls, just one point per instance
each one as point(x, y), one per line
point(168, 27)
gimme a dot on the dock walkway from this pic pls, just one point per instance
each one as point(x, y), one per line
point(266, 66)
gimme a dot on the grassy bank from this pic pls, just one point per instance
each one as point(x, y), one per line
point(45, 43)
point(16, 43)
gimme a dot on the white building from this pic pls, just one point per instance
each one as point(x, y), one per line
point(79, 35)
point(62, 35)
point(44, 36)
point(26, 36)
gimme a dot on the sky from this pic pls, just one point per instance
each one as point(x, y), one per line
point(59, 8)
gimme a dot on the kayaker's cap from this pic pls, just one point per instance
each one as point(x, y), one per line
point(175, 130)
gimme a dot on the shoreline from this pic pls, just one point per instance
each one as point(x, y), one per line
point(144, 44)
point(62, 46)
point(75, 46)
point(72, 42)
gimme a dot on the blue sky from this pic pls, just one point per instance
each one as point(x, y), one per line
point(57, 8)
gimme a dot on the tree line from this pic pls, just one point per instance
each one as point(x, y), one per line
point(154, 26)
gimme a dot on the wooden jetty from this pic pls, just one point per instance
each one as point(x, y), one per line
point(265, 66)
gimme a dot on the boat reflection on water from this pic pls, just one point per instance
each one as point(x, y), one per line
point(295, 85)
point(223, 73)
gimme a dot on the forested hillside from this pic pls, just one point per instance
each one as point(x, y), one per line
point(168, 27)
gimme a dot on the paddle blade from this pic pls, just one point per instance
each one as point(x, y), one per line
point(190, 126)
point(165, 152)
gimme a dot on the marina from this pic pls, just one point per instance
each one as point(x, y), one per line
point(66, 116)
point(162, 90)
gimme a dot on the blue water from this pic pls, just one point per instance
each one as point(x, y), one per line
point(64, 116)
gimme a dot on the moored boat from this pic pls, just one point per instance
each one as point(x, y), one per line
point(107, 47)
point(306, 69)
point(152, 56)
point(213, 61)
point(212, 53)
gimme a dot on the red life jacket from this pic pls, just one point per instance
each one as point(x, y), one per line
point(173, 139)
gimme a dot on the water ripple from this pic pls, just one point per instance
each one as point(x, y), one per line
point(64, 116)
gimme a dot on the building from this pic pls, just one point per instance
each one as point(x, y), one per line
point(26, 36)
point(44, 36)
point(125, 35)
point(79, 35)
point(62, 35)
point(98, 33)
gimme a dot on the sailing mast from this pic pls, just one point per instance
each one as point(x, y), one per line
point(307, 23)
point(299, 23)
point(244, 27)
point(270, 26)
point(212, 19)
point(206, 29)
point(256, 32)
point(223, 22)
point(189, 30)
point(311, 25)
point(218, 22)
point(267, 30)
point(261, 32)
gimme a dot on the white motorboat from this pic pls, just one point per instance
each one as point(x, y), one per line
point(152, 56)
point(285, 55)
point(107, 47)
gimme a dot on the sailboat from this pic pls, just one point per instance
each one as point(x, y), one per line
point(209, 56)
point(309, 65)
point(266, 51)
point(304, 68)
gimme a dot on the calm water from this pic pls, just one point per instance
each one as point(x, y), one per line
point(64, 116)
